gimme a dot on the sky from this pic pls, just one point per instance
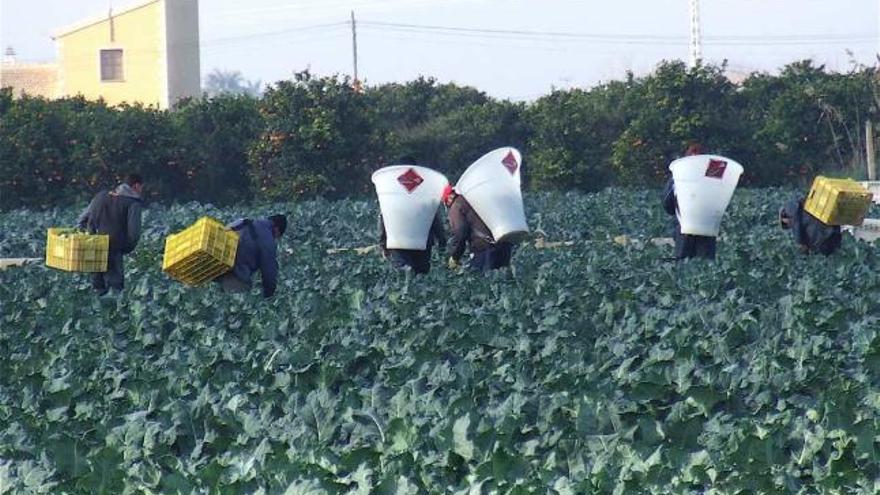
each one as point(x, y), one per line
point(515, 49)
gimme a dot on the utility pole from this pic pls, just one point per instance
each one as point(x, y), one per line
point(871, 159)
point(696, 44)
point(354, 49)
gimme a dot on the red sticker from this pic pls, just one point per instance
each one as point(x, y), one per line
point(716, 169)
point(509, 163)
point(410, 180)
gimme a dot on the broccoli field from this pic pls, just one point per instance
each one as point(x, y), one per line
point(593, 367)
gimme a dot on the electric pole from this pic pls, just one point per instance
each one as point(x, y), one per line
point(870, 158)
point(354, 48)
point(696, 45)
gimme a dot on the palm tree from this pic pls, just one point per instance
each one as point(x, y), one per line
point(231, 82)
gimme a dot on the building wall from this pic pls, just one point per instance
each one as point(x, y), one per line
point(30, 79)
point(182, 48)
point(139, 33)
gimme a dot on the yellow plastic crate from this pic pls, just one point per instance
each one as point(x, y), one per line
point(200, 253)
point(838, 201)
point(74, 251)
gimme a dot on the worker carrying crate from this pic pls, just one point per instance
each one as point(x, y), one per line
point(113, 218)
point(231, 254)
point(815, 221)
point(838, 201)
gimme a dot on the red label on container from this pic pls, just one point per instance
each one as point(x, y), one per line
point(716, 169)
point(509, 163)
point(410, 180)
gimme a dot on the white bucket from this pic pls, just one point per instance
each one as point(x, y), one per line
point(704, 185)
point(492, 186)
point(408, 198)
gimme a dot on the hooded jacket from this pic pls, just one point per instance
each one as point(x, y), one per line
point(257, 251)
point(116, 213)
point(810, 232)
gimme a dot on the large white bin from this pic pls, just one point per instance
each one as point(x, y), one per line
point(704, 185)
point(868, 231)
point(492, 186)
point(408, 198)
point(874, 187)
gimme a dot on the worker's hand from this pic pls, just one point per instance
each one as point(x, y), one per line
point(452, 263)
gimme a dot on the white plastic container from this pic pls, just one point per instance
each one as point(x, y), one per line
point(492, 186)
point(408, 198)
point(704, 185)
point(874, 187)
point(868, 231)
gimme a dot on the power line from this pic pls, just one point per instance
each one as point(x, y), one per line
point(637, 39)
point(518, 32)
point(312, 40)
point(559, 41)
point(88, 60)
point(300, 29)
point(325, 6)
point(468, 41)
point(532, 38)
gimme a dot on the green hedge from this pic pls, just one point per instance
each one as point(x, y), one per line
point(313, 136)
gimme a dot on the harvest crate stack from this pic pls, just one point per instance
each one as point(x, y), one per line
point(838, 201)
point(200, 253)
point(74, 251)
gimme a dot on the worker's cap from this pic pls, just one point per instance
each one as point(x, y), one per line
point(279, 222)
point(447, 191)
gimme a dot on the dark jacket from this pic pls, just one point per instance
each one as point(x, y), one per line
point(467, 229)
point(686, 245)
point(436, 235)
point(810, 232)
point(117, 213)
point(257, 251)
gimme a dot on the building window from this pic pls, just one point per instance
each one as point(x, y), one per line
point(111, 65)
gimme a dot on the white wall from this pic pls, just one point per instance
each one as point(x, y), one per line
point(182, 49)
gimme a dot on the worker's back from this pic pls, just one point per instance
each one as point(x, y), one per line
point(257, 251)
point(809, 232)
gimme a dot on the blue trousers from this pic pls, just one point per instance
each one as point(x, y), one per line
point(113, 278)
point(419, 261)
point(694, 246)
point(494, 257)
